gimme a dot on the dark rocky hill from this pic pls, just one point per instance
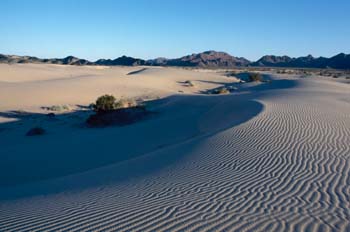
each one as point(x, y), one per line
point(124, 60)
point(208, 59)
point(340, 61)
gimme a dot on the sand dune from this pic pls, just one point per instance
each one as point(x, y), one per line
point(270, 157)
point(31, 86)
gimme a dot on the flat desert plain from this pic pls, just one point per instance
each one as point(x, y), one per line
point(271, 156)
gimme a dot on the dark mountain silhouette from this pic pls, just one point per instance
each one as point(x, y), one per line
point(208, 59)
point(271, 60)
point(124, 60)
point(340, 61)
point(69, 60)
point(286, 61)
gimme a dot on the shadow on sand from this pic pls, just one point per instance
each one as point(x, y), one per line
point(71, 156)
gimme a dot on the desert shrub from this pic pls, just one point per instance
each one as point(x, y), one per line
point(57, 108)
point(306, 74)
point(253, 77)
point(125, 103)
point(105, 103)
point(189, 83)
point(222, 90)
point(282, 71)
point(35, 131)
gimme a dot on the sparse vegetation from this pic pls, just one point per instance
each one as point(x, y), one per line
point(107, 103)
point(125, 103)
point(189, 83)
point(35, 131)
point(221, 90)
point(109, 112)
point(57, 108)
point(255, 77)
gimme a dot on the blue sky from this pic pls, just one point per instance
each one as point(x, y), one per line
point(172, 28)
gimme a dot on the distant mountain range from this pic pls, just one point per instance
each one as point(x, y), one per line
point(69, 60)
point(208, 59)
point(340, 61)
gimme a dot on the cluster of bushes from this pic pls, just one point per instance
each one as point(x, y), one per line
point(109, 112)
point(57, 108)
point(288, 71)
point(326, 73)
point(333, 73)
point(107, 103)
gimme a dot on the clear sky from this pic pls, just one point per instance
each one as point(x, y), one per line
point(172, 28)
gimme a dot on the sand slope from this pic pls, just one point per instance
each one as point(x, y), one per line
point(31, 86)
point(285, 167)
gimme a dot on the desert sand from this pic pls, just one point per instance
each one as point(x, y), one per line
point(268, 157)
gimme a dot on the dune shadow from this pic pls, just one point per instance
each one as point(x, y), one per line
point(18, 114)
point(213, 82)
point(274, 85)
point(137, 71)
point(69, 145)
point(73, 157)
point(256, 87)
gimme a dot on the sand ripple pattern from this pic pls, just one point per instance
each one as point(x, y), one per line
point(288, 169)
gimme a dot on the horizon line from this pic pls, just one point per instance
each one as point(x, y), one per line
point(145, 59)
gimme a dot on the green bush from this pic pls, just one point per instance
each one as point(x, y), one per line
point(105, 103)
